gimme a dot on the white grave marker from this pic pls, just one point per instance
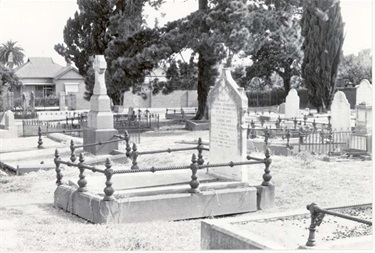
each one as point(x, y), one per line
point(227, 104)
point(292, 104)
point(364, 93)
point(340, 112)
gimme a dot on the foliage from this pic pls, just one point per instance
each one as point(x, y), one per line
point(180, 76)
point(354, 68)
point(280, 47)
point(10, 47)
point(8, 79)
point(322, 28)
point(93, 27)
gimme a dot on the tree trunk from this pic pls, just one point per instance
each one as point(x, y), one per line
point(202, 88)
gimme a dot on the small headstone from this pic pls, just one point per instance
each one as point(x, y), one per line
point(364, 93)
point(130, 111)
point(227, 104)
point(8, 120)
point(292, 104)
point(340, 112)
point(24, 101)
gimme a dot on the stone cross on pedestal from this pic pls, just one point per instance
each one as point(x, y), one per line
point(100, 117)
point(100, 65)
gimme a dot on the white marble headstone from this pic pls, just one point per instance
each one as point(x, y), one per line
point(292, 104)
point(227, 104)
point(364, 93)
point(340, 112)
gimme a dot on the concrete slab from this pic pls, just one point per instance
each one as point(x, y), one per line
point(156, 207)
point(227, 234)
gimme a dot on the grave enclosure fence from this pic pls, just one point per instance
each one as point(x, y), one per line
point(197, 163)
point(317, 215)
point(310, 136)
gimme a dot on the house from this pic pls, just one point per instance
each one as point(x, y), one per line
point(48, 79)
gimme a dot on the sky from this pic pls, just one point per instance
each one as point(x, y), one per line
point(38, 25)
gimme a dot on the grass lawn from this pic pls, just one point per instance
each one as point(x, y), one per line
point(29, 222)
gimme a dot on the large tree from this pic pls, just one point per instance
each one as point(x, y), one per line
point(354, 68)
point(11, 54)
point(323, 32)
point(94, 26)
point(8, 79)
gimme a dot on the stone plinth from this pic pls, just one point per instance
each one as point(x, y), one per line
point(173, 204)
point(364, 119)
point(228, 141)
point(100, 117)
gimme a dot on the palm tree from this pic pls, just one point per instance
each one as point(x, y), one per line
point(10, 54)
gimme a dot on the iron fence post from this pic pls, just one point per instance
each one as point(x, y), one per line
point(253, 133)
point(267, 172)
point(82, 182)
point(128, 148)
point(40, 141)
point(314, 125)
point(72, 147)
point(200, 151)
point(194, 183)
point(316, 220)
point(108, 172)
point(287, 138)
point(134, 158)
point(59, 175)
point(295, 123)
point(329, 122)
point(266, 136)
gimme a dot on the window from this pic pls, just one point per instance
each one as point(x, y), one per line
point(48, 91)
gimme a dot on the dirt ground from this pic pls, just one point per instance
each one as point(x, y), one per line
point(29, 222)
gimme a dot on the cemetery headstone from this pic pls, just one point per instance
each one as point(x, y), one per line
point(9, 120)
point(32, 101)
point(292, 104)
point(227, 106)
point(340, 112)
point(100, 117)
point(24, 101)
point(364, 93)
point(364, 119)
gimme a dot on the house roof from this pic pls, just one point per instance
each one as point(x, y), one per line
point(41, 67)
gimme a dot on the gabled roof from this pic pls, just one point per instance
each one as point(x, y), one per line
point(41, 67)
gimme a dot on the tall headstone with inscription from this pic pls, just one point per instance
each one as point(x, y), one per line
point(100, 117)
point(364, 93)
point(292, 104)
point(340, 112)
point(363, 123)
point(227, 106)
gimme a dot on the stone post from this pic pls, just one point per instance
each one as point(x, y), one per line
point(62, 99)
point(100, 117)
point(32, 101)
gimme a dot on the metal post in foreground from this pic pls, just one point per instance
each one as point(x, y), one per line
point(134, 158)
point(40, 141)
point(316, 220)
point(82, 182)
point(128, 148)
point(59, 175)
point(194, 183)
point(73, 157)
point(267, 176)
point(200, 151)
point(108, 190)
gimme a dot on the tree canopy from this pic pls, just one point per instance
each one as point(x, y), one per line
point(8, 79)
point(10, 54)
point(323, 31)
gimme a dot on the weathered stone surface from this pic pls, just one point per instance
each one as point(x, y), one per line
point(164, 207)
point(340, 112)
point(292, 104)
point(364, 119)
point(364, 93)
point(227, 105)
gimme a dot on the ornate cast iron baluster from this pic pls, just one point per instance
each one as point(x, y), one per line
point(316, 220)
point(287, 137)
point(194, 183)
point(304, 119)
point(200, 151)
point(266, 135)
point(82, 182)
point(108, 190)
point(314, 125)
point(59, 175)
point(134, 157)
point(267, 162)
point(40, 141)
point(73, 157)
point(128, 148)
